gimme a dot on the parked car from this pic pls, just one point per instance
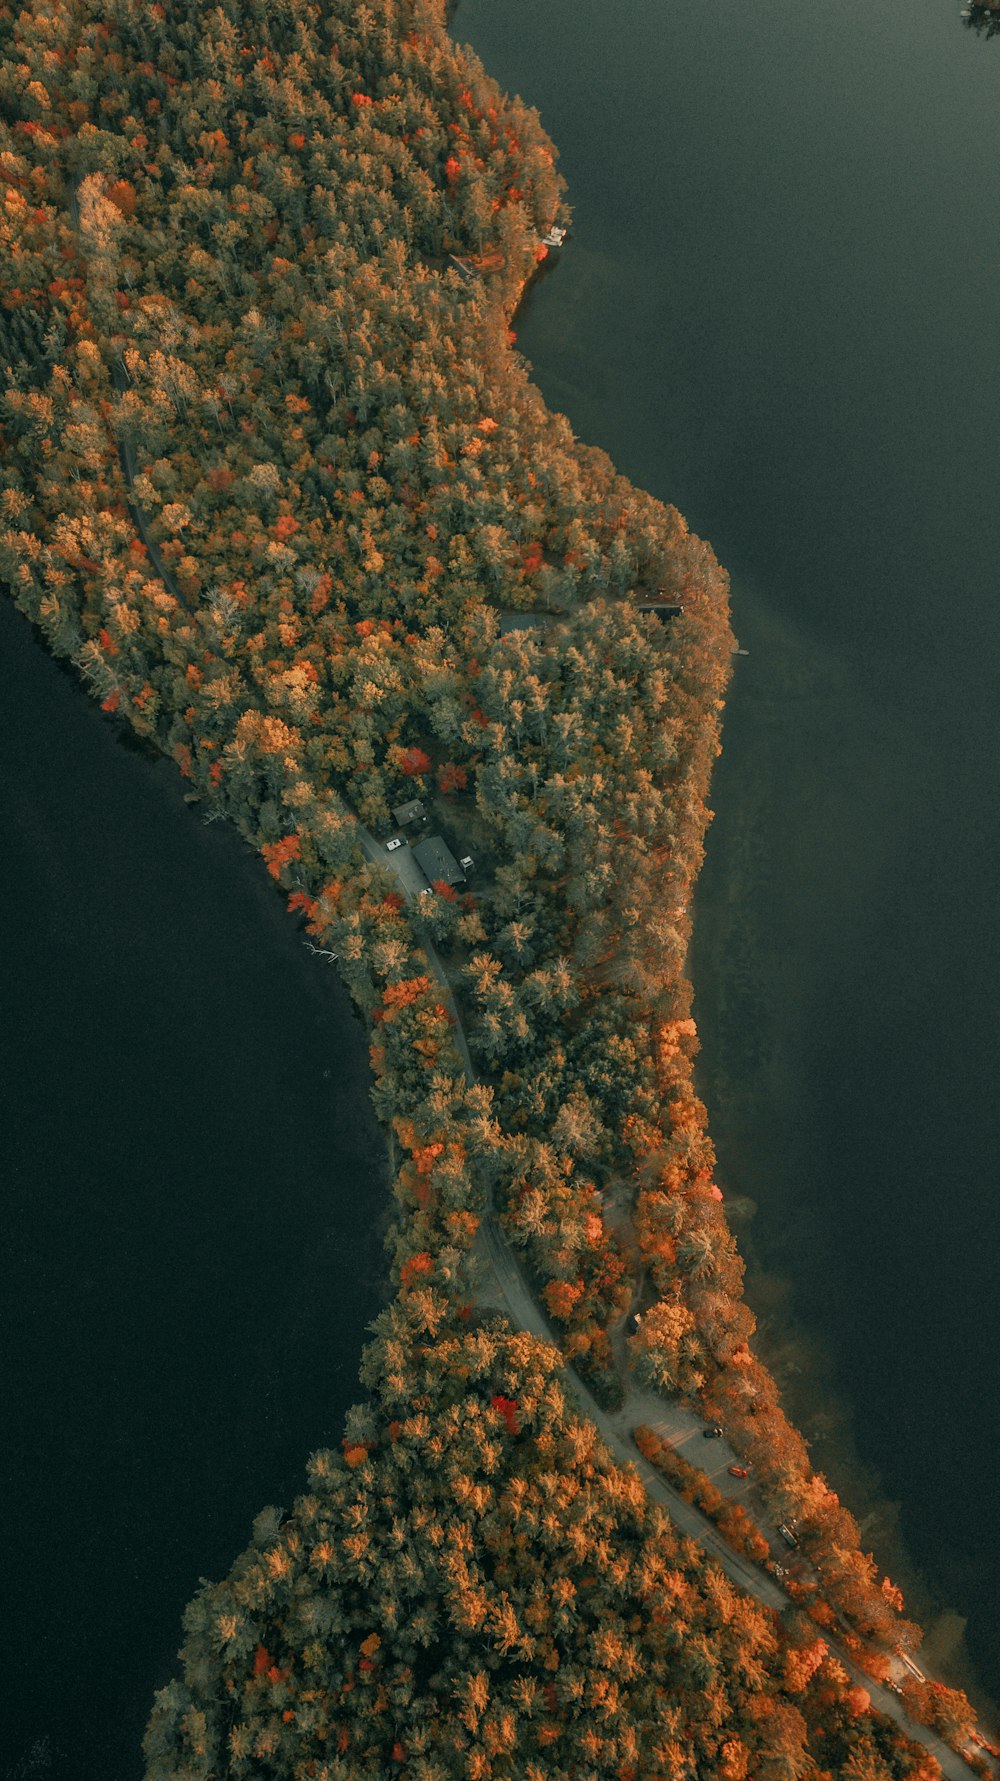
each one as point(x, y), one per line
point(739, 1471)
point(397, 841)
point(713, 1433)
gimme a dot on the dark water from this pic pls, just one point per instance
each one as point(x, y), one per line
point(778, 310)
point(193, 1188)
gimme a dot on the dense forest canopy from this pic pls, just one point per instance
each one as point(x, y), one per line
point(275, 478)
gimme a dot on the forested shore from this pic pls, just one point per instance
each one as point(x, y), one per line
point(276, 480)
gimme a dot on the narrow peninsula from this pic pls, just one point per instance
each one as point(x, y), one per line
point(276, 480)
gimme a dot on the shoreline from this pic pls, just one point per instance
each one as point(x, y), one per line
point(556, 1003)
point(796, 1348)
point(851, 1468)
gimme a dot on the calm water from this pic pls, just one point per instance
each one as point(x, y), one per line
point(193, 1186)
point(778, 311)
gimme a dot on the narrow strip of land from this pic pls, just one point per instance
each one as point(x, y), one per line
point(511, 1293)
point(671, 1420)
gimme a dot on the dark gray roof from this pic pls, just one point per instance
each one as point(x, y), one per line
point(438, 861)
point(661, 608)
point(408, 812)
point(521, 621)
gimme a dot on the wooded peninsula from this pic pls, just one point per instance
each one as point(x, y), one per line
point(275, 479)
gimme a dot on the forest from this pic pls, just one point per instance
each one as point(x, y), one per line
point(276, 480)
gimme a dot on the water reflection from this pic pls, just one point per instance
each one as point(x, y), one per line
point(983, 18)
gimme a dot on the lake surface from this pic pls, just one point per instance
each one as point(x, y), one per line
point(194, 1187)
point(777, 310)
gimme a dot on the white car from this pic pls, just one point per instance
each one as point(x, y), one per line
point(397, 841)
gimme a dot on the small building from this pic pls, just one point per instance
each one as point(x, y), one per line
point(404, 814)
point(661, 609)
point(438, 862)
point(513, 620)
point(555, 236)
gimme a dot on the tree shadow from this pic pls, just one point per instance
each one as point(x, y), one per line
point(983, 17)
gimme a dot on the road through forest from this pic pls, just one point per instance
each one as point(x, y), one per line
point(670, 1420)
point(523, 1311)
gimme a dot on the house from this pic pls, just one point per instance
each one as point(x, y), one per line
point(555, 237)
point(511, 620)
point(438, 862)
point(413, 811)
point(661, 609)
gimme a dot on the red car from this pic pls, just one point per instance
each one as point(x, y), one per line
point(739, 1471)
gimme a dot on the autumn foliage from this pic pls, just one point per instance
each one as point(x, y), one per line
point(274, 480)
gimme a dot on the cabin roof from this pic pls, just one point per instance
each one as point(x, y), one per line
point(411, 811)
point(438, 861)
point(662, 608)
point(511, 620)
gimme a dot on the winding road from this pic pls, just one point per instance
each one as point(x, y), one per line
point(511, 1294)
